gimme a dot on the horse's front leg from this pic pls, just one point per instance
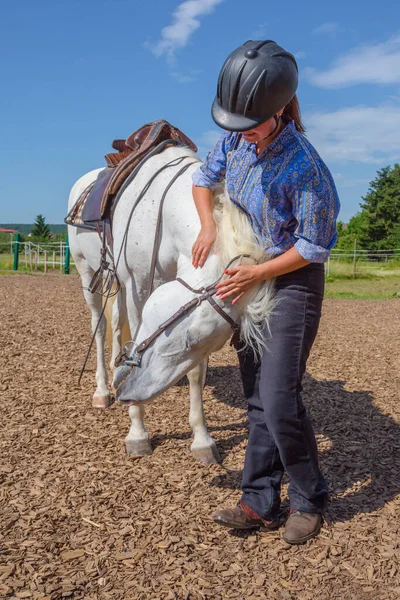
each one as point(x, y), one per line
point(137, 442)
point(203, 446)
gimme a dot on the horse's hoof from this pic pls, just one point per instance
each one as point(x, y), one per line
point(209, 455)
point(138, 447)
point(102, 401)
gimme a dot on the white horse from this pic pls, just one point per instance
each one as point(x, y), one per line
point(184, 346)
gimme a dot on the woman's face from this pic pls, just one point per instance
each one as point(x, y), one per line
point(262, 131)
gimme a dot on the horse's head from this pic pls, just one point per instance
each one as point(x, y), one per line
point(182, 346)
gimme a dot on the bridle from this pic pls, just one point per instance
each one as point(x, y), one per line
point(131, 354)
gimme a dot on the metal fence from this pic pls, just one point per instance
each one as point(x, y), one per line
point(51, 256)
point(358, 262)
point(31, 256)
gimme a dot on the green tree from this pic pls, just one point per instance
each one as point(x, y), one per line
point(380, 214)
point(353, 230)
point(40, 228)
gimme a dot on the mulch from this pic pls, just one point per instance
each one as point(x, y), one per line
point(80, 519)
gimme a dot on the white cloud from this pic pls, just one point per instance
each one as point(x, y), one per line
point(379, 64)
point(184, 22)
point(356, 134)
point(300, 54)
point(207, 141)
point(330, 28)
point(347, 182)
point(185, 78)
point(259, 32)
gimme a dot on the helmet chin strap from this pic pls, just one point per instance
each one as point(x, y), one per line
point(277, 123)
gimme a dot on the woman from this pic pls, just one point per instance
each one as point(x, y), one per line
point(277, 178)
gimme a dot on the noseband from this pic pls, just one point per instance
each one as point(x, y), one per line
point(131, 354)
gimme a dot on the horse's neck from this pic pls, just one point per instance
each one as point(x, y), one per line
point(201, 276)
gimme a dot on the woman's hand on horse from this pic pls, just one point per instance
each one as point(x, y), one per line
point(202, 246)
point(241, 279)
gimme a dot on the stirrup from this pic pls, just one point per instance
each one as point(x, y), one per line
point(103, 281)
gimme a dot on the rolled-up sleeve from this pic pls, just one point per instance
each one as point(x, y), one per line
point(316, 207)
point(213, 170)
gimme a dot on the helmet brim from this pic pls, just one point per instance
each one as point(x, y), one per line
point(232, 122)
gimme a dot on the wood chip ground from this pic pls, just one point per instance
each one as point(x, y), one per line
point(79, 519)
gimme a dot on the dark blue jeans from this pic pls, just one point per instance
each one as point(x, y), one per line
point(281, 437)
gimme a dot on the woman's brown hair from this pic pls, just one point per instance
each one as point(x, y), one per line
point(292, 113)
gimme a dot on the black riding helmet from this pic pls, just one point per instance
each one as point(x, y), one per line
point(255, 82)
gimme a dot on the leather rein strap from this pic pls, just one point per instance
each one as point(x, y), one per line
point(205, 293)
point(156, 244)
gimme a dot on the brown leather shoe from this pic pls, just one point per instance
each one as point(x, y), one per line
point(301, 526)
point(243, 517)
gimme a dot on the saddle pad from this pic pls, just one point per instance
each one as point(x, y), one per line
point(74, 216)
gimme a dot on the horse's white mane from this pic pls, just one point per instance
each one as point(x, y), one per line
point(235, 237)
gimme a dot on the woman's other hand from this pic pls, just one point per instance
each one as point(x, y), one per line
point(202, 246)
point(241, 279)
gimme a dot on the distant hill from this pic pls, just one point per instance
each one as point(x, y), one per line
point(26, 228)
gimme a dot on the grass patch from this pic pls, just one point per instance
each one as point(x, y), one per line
point(365, 269)
point(7, 263)
point(374, 288)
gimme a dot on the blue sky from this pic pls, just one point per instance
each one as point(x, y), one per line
point(76, 74)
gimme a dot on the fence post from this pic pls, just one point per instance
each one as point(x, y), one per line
point(16, 252)
point(67, 257)
point(355, 258)
point(54, 259)
point(45, 260)
point(328, 267)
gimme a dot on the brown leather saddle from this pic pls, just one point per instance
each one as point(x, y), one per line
point(128, 158)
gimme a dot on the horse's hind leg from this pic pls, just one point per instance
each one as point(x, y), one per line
point(203, 446)
point(119, 326)
point(101, 397)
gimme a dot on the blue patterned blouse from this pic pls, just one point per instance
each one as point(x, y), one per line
point(287, 191)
